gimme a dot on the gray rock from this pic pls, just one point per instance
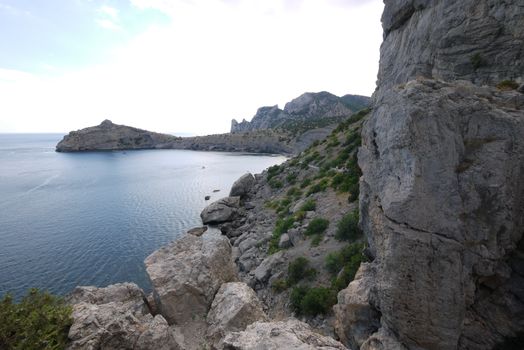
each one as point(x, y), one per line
point(285, 241)
point(185, 276)
point(223, 210)
point(116, 317)
point(355, 318)
point(234, 308)
point(294, 236)
point(290, 335)
point(442, 205)
point(242, 186)
point(265, 269)
point(197, 231)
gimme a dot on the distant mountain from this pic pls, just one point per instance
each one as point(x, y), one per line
point(306, 112)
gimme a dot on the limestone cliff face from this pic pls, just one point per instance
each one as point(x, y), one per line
point(442, 191)
point(316, 109)
point(108, 136)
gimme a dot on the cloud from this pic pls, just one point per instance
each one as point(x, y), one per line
point(109, 18)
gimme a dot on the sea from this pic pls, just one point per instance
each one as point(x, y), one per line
point(91, 218)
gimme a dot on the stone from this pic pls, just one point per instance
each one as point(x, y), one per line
point(197, 231)
point(290, 334)
point(242, 186)
point(207, 198)
point(186, 275)
point(268, 265)
point(234, 308)
point(285, 241)
point(116, 317)
point(223, 210)
point(294, 236)
point(355, 317)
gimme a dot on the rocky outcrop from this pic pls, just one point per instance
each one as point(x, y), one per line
point(290, 334)
point(186, 275)
point(242, 186)
point(223, 210)
point(313, 110)
point(234, 308)
point(441, 196)
point(108, 136)
point(116, 317)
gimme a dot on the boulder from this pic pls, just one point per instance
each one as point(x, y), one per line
point(234, 308)
point(268, 266)
point(187, 273)
point(285, 241)
point(291, 334)
point(242, 186)
point(355, 318)
point(116, 317)
point(223, 210)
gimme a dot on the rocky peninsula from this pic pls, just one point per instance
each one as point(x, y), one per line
point(308, 118)
point(402, 229)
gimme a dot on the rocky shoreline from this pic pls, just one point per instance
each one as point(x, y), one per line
point(202, 297)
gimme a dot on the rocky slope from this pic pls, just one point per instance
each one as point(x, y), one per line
point(443, 182)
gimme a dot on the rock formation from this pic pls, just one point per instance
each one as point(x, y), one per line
point(320, 108)
point(442, 188)
point(223, 210)
point(108, 136)
point(116, 317)
point(242, 186)
point(290, 334)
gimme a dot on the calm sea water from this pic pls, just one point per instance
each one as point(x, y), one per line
point(69, 219)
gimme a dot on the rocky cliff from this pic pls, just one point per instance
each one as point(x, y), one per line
point(442, 189)
point(308, 111)
point(108, 136)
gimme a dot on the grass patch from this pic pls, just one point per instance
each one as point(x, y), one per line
point(275, 184)
point(273, 171)
point(318, 187)
point(305, 183)
point(39, 321)
point(299, 270)
point(507, 85)
point(315, 229)
point(309, 205)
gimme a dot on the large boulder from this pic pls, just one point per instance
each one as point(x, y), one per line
point(116, 317)
point(223, 210)
point(291, 334)
point(355, 318)
point(234, 308)
point(242, 186)
point(186, 275)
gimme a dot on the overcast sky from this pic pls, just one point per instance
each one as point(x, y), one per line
point(183, 66)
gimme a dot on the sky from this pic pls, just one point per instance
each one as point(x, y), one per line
point(177, 66)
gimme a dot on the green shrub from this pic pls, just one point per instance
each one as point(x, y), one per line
point(347, 227)
point(275, 184)
point(507, 85)
point(309, 205)
point(312, 301)
point(294, 192)
point(298, 270)
point(317, 226)
point(305, 183)
point(279, 285)
point(318, 187)
point(39, 321)
point(273, 171)
point(345, 264)
point(281, 227)
point(291, 178)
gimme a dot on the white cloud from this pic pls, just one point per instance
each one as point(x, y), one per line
point(108, 24)
point(109, 11)
point(214, 62)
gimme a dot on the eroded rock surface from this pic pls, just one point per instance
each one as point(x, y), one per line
point(234, 308)
point(242, 186)
point(116, 317)
point(291, 334)
point(186, 275)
